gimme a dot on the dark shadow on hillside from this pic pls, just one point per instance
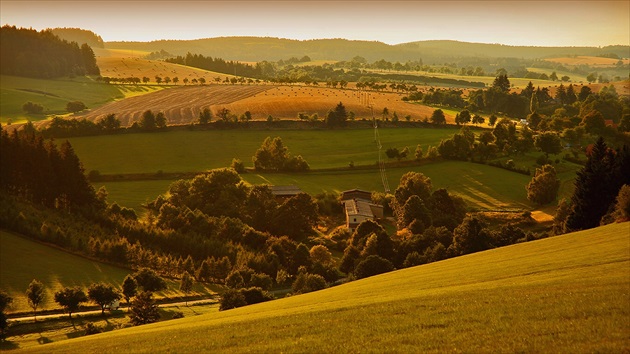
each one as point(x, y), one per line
point(8, 345)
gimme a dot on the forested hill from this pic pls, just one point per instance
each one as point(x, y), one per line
point(273, 49)
point(27, 52)
point(80, 36)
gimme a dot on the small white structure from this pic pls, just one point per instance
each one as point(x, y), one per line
point(359, 207)
point(113, 306)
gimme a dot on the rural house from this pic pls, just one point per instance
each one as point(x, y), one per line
point(359, 207)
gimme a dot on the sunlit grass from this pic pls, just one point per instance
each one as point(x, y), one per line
point(565, 294)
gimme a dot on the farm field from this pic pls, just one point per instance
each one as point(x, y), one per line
point(192, 151)
point(121, 63)
point(568, 293)
point(588, 60)
point(182, 104)
point(53, 95)
point(56, 269)
point(483, 187)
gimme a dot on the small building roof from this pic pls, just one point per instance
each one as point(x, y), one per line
point(356, 193)
point(285, 191)
point(358, 207)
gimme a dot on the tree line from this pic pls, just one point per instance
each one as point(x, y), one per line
point(27, 52)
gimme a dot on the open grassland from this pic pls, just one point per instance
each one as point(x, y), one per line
point(22, 260)
point(567, 294)
point(53, 95)
point(191, 151)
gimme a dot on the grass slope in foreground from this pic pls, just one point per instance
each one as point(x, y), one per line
point(569, 293)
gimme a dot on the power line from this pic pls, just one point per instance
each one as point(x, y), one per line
point(379, 146)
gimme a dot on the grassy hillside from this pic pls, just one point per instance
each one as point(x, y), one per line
point(186, 151)
point(53, 95)
point(22, 260)
point(569, 293)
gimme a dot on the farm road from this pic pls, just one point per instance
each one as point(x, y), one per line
point(98, 312)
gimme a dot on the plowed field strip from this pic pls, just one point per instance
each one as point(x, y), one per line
point(180, 105)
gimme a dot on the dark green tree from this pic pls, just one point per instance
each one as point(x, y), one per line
point(147, 121)
point(75, 106)
point(144, 309)
point(544, 186)
point(594, 189)
point(205, 116)
point(232, 298)
point(470, 236)
point(438, 117)
point(337, 117)
point(5, 302)
point(373, 265)
point(149, 280)
point(129, 287)
point(502, 82)
point(35, 294)
point(549, 143)
point(186, 284)
point(32, 108)
point(70, 299)
point(103, 295)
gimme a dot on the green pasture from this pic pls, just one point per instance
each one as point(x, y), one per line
point(22, 260)
point(568, 294)
point(54, 94)
point(192, 151)
point(483, 187)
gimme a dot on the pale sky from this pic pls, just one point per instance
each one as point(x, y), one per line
point(538, 23)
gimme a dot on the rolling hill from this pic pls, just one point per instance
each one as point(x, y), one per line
point(569, 293)
point(266, 48)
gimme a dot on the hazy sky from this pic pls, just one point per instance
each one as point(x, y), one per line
point(540, 23)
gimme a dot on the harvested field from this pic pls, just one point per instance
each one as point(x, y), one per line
point(126, 63)
point(182, 105)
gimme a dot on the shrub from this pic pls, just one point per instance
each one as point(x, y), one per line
point(255, 295)
point(373, 265)
point(91, 328)
point(177, 314)
point(231, 299)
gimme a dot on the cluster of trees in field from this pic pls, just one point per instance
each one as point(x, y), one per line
point(217, 65)
point(27, 52)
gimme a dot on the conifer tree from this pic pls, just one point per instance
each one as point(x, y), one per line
point(592, 196)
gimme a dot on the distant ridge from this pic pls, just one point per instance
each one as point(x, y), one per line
point(273, 49)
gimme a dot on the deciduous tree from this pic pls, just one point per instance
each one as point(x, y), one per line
point(544, 186)
point(70, 299)
point(144, 309)
point(103, 295)
point(35, 294)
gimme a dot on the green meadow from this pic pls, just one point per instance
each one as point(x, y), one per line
point(567, 294)
point(192, 151)
point(484, 187)
point(54, 94)
point(22, 260)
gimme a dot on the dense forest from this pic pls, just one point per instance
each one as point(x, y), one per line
point(80, 36)
point(27, 52)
